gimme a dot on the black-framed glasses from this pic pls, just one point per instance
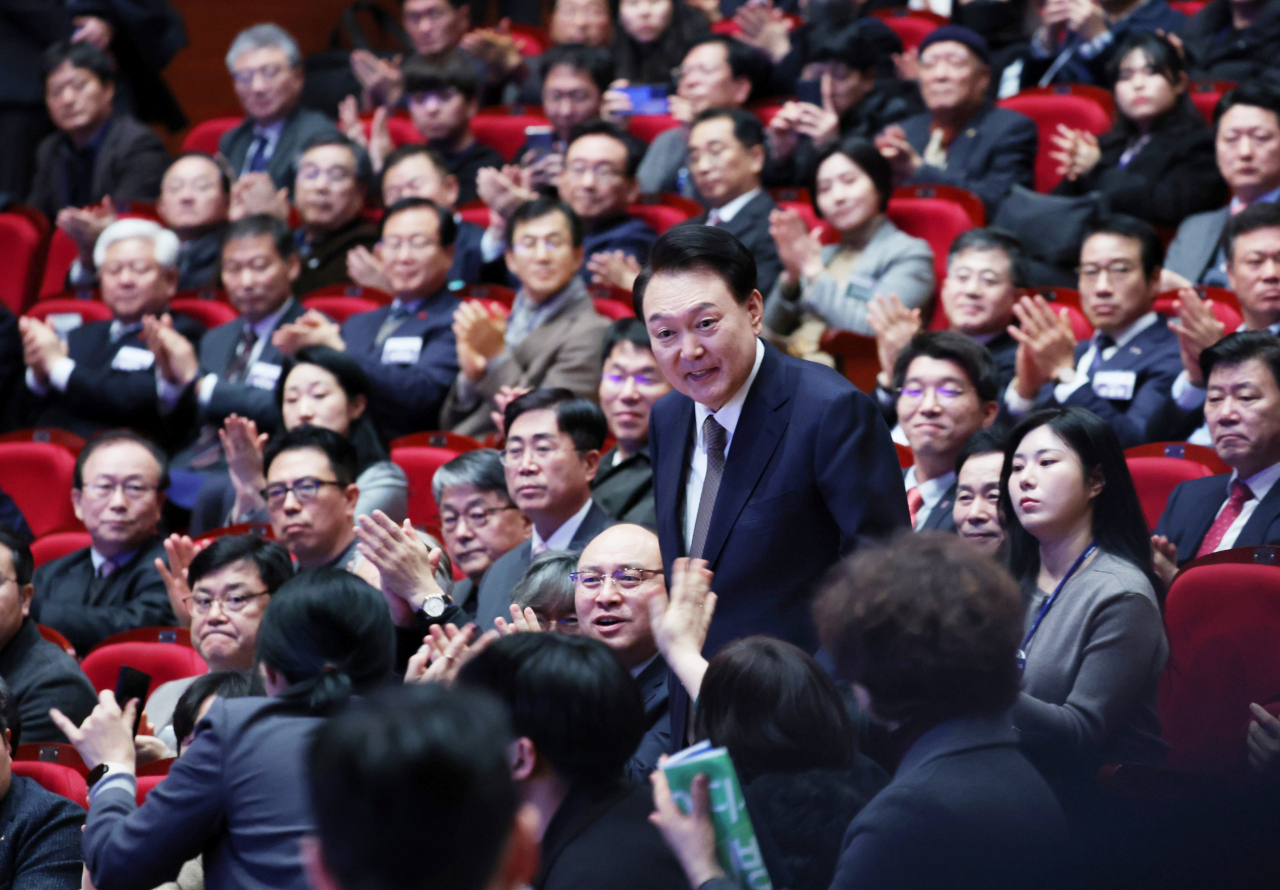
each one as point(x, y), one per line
point(305, 490)
point(625, 578)
point(202, 603)
point(476, 518)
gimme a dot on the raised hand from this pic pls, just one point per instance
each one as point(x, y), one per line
point(480, 337)
point(381, 79)
point(41, 346)
point(106, 736)
point(180, 550)
point(406, 565)
point(365, 269)
point(444, 651)
point(255, 193)
point(799, 248)
point(525, 621)
point(614, 268)
point(1164, 558)
point(894, 326)
point(1046, 344)
point(681, 618)
point(1197, 329)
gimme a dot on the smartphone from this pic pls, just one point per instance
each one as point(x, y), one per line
point(647, 98)
point(540, 141)
point(132, 683)
point(809, 91)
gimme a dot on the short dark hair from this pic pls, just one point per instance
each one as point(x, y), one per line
point(570, 696)
point(20, 553)
point(624, 330)
point(747, 128)
point(223, 684)
point(329, 634)
point(115, 437)
point(350, 375)
point(1255, 93)
point(448, 225)
point(992, 238)
point(1240, 347)
point(481, 468)
point(544, 205)
point(81, 55)
point(928, 625)
point(1258, 215)
point(422, 74)
point(972, 357)
point(258, 225)
point(846, 45)
point(594, 61)
point(339, 451)
point(989, 440)
point(225, 173)
point(634, 147)
point(581, 420)
point(745, 61)
point(407, 764)
point(689, 248)
point(1125, 226)
point(272, 560)
point(775, 709)
point(10, 716)
point(411, 150)
point(364, 166)
point(866, 157)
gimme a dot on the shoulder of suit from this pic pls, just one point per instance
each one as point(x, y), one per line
point(62, 563)
point(126, 127)
point(892, 237)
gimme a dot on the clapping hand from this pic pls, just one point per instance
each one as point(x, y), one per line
point(501, 399)
point(764, 27)
point(312, 328)
point(1046, 344)
point(1164, 558)
point(41, 347)
point(480, 335)
point(381, 78)
point(1197, 329)
point(1077, 153)
point(494, 46)
point(615, 268)
point(904, 159)
point(894, 326)
point(180, 550)
point(406, 565)
point(799, 248)
point(522, 621)
point(84, 224)
point(365, 269)
point(255, 193)
point(176, 359)
point(680, 620)
point(444, 651)
point(1264, 741)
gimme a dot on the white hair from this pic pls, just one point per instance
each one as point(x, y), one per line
point(266, 36)
point(164, 244)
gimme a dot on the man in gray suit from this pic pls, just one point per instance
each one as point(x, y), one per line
point(553, 452)
point(1248, 148)
point(947, 389)
point(266, 65)
point(552, 336)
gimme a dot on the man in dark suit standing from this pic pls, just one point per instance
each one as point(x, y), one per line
point(1125, 371)
point(963, 139)
point(768, 467)
point(947, 391)
point(1240, 508)
point(552, 454)
point(407, 349)
point(726, 158)
point(112, 585)
point(24, 36)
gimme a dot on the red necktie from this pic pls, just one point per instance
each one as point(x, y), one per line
point(1240, 494)
point(915, 500)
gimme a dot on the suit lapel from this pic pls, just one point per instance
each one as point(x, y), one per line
point(940, 516)
point(669, 475)
point(1264, 516)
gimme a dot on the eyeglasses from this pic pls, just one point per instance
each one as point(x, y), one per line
point(202, 603)
point(477, 518)
point(305, 490)
point(944, 393)
point(602, 172)
point(528, 245)
point(641, 379)
point(681, 71)
point(541, 451)
point(134, 491)
point(334, 175)
point(244, 76)
point(625, 578)
point(413, 242)
point(1118, 269)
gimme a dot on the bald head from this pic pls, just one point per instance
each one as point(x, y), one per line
point(617, 612)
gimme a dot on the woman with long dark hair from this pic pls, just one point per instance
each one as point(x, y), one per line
point(1095, 644)
point(1158, 162)
point(651, 37)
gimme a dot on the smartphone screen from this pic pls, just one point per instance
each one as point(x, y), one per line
point(132, 683)
point(809, 91)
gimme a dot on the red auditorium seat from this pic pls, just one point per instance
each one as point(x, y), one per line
point(67, 307)
point(1201, 454)
point(209, 313)
point(828, 235)
point(529, 39)
point(1076, 106)
point(937, 220)
point(420, 456)
point(61, 438)
point(163, 661)
point(1062, 296)
point(765, 110)
point(145, 784)
point(205, 135)
point(156, 767)
point(381, 297)
point(52, 635)
point(22, 253)
point(61, 753)
point(911, 26)
point(905, 457)
point(968, 201)
point(648, 127)
point(399, 128)
point(1223, 311)
point(62, 252)
point(502, 128)
point(57, 545)
point(1205, 95)
point(664, 210)
point(179, 635)
point(613, 309)
point(1222, 616)
point(261, 529)
point(338, 308)
point(37, 475)
point(1157, 477)
point(475, 212)
point(62, 781)
point(1189, 8)
point(856, 355)
point(489, 293)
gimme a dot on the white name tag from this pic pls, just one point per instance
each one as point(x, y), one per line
point(401, 350)
point(263, 375)
point(131, 358)
point(1117, 385)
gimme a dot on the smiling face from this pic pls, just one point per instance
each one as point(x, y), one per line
point(120, 501)
point(1254, 275)
point(191, 195)
point(722, 167)
point(1114, 291)
point(630, 384)
point(413, 261)
point(266, 84)
point(79, 103)
point(614, 615)
point(846, 195)
point(703, 339)
point(133, 283)
point(1142, 94)
point(542, 255)
point(1242, 408)
point(316, 530)
point(227, 639)
point(977, 509)
point(257, 278)
point(939, 409)
point(327, 193)
point(978, 293)
point(15, 600)
point(478, 527)
point(1248, 149)
point(1051, 495)
point(547, 478)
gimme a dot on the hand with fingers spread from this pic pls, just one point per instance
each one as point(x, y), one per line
point(106, 736)
point(522, 621)
point(382, 82)
point(894, 326)
point(766, 28)
point(180, 550)
point(681, 618)
point(782, 133)
point(691, 836)
point(407, 566)
point(244, 447)
point(1197, 329)
point(905, 160)
point(255, 193)
point(84, 224)
point(444, 652)
point(176, 359)
point(481, 337)
point(614, 268)
point(1046, 345)
point(495, 47)
point(365, 269)
point(799, 248)
point(312, 328)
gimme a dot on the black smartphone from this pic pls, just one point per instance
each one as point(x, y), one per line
point(132, 683)
point(540, 141)
point(809, 91)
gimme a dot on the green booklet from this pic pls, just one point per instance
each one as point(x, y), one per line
point(736, 844)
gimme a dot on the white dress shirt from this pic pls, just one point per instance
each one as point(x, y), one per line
point(727, 416)
point(561, 537)
point(932, 492)
point(730, 210)
point(1259, 483)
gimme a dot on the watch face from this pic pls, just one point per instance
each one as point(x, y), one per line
point(434, 606)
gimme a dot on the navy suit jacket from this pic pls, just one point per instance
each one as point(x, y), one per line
point(1154, 357)
point(995, 151)
point(301, 125)
point(216, 352)
point(654, 682)
point(811, 472)
point(467, 259)
point(940, 518)
point(750, 225)
point(41, 839)
point(1194, 505)
point(407, 397)
point(632, 236)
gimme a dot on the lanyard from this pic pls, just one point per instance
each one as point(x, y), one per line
point(1044, 608)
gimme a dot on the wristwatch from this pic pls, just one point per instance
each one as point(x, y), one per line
point(434, 606)
point(102, 770)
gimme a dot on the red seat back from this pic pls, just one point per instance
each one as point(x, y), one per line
point(613, 309)
point(1224, 312)
point(420, 463)
point(936, 220)
point(21, 255)
point(52, 636)
point(339, 308)
point(1188, 7)
point(163, 661)
point(1049, 107)
point(145, 784)
point(504, 132)
point(905, 457)
point(912, 26)
point(829, 233)
point(1223, 620)
point(37, 475)
point(857, 356)
point(209, 313)
point(475, 212)
point(1201, 454)
point(205, 135)
point(489, 292)
point(648, 127)
point(61, 753)
point(66, 314)
point(529, 39)
point(57, 263)
point(1205, 96)
point(57, 545)
point(1155, 478)
point(179, 635)
point(63, 439)
point(660, 217)
point(61, 780)
point(261, 529)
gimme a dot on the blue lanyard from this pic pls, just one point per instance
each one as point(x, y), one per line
point(1044, 608)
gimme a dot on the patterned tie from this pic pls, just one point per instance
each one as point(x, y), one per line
point(399, 312)
point(714, 434)
point(915, 500)
point(1240, 494)
point(1101, 344)
point(239, 363)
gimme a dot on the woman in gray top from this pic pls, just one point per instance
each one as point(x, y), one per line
point(832, 286)
point(1095, 642)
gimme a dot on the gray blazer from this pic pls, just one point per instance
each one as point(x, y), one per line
point(895, 261)
point(1193, 248)
point(301, 126)
point(660, 169)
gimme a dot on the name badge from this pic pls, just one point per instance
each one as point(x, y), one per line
point(1117, 385)
point(263, 375)
point(131, 358)
point(401, 350)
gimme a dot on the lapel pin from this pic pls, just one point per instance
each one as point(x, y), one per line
point(1136, 350)
point(971, 132)
point(421, 315)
